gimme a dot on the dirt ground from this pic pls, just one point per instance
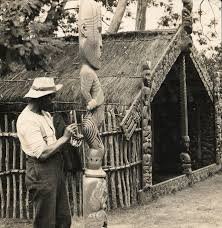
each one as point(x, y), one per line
point(199, 206)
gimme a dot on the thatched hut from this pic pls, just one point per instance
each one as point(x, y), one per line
point(143, 158)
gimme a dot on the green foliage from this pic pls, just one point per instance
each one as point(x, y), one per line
point(214, 62)
point(28, 28)
point(23, 35)
point(170, 19)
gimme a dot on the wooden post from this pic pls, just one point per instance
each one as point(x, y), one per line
point(105, 162)
point(185, 141)
point(21, 207)
point(183, 94)
point(13, 175)
point(105, 159)
point(119, 184)
point(186, 44)
point(112, 162)
point(1, 186)
point(127, 172)
point(124, 174)
point(7, 162)
point(134, 175)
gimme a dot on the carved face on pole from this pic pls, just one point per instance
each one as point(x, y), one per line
point(90, 29)
point(187, 15)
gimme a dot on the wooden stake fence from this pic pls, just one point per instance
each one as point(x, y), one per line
point(7, 162)
point(1, 184)
point(122, 163)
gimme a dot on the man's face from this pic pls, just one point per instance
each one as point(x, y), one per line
point(45, 103)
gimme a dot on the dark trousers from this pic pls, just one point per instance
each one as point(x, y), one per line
point(46, 182)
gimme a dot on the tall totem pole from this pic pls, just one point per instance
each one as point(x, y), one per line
point(185, 46)
point(94, 182)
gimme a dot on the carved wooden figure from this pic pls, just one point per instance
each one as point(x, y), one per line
point(133, 117)
point(146, 124)
point(187, 19)
point(186, 44)
point(94, 184)
point(90, 41)
point(187, 23)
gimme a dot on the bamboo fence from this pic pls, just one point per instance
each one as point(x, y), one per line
point(122, 163)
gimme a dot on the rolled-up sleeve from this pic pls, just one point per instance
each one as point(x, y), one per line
point(31, 138)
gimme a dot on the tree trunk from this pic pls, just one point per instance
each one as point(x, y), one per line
point(116, 21)
point(141, 15)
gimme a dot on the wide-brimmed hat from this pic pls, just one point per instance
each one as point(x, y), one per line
point(43, 86)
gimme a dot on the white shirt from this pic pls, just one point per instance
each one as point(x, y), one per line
point(35, 132)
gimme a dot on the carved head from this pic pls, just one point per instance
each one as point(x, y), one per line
point(90, 28)
point(187, 15)
point(146, 74)
point(186, 142)
point(94, 158)
point(188, 4)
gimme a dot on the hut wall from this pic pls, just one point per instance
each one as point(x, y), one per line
point(202, 135)
point(207, 135)
point(122, 163)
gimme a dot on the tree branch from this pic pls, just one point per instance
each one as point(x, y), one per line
point(116, 21)
point(214, 17)
point(200, 10)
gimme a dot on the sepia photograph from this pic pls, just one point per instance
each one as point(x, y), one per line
point(110, 113)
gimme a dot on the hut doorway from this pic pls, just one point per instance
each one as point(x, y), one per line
point(165, 110)
point(166, 125)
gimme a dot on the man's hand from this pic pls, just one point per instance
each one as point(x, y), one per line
point(70, 130)
point(91, 105)
point(50, 150)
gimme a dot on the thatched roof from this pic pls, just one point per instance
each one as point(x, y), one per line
point(123, 55)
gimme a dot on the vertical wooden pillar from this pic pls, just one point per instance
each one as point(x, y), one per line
point(7, 168)
point(2, 196)
point(218, 112)
point(146, 126)
point(185, 141)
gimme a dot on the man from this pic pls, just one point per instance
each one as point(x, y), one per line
point(44, 165)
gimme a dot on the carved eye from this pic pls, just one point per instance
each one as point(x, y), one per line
point(83, 30)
